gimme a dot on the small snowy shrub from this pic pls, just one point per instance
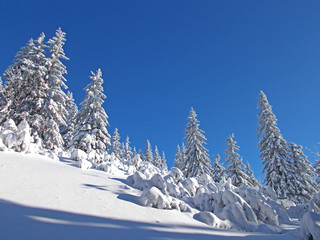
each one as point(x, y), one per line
point(78, 154)
point(84, 164)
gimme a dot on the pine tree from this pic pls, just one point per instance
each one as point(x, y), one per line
point(163, 166)
point(157, 158)
point(317, 170)
point(197, 159)
point(128, 152)
point(55, 112)
point(235, 168)
point(218, 171)
point(72, 111)
point(115, 144)
point(304, 174)
point(280, 174)
point(25, 91)
point(148, 156)
point(252, 181)
point(177, 158)
point(91, 122)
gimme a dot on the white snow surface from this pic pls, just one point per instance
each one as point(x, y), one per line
point(41, 198)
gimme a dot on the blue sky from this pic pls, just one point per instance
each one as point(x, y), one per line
point(160, 58)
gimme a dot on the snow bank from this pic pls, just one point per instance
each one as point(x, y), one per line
point(310, 226)
point(222, 205)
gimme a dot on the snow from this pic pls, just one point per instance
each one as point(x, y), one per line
point(310, 226)
point(41, 198)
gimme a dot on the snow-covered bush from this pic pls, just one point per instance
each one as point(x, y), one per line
point(78, 154)
point(84, 164)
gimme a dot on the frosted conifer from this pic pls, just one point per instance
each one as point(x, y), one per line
point(148, 156)
point(235, 168)
point(218, 171)
point(91, 123)
point(128, 152)
point(252, 181)
point(196, 158)
point(304, 173)
point(157, 158)
point(177, 158)
point(115, 144)
point(163, 166)
point(275, 156)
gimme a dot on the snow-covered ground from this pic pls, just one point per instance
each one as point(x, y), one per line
point(41, 198)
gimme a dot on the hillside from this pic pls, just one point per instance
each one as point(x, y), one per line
point(46, 199)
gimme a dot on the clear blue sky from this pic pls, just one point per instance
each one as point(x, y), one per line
point(159, 58)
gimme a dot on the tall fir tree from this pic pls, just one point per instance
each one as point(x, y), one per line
point(218, 171)
point(196, 158)
point(304, 174)
point(115, 144)
point(235, 169)
point(280, 173)
point(55, 111)
point(92, 121)
point(148, 156)
point(26, 91)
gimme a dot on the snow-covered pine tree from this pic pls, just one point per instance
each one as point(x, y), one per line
point(235, 169)
point(252, 181)
point(134, 152)
point(304, 174)
point(141, 154)
point(55, 111)
point(218, 171)
point(280, 173)
point(25, 90)
point(148, 156)
point(157, 158)
point(91, 132)
point(115, 144)
point(72, 111)
point(163, 166)
point(196, 158)
point(123, 151)
point(128, 152)
point(317, 169)
point(177, 158)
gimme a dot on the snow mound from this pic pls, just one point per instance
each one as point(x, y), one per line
point(310, 226)
point(212, 220)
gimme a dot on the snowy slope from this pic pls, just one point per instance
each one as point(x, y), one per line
point(44, 199)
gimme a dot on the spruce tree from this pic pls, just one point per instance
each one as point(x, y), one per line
point(235, 168)
point(196, 158)
point(177, 158)
point(91, 122)
point(115, 144)
point(157, 158)
point(72, 111)
point(280, 173)
point(26, 91)
point(55, 111)
point(218, 171)
point(148, 156)
point(128, 152)
point(252, 181)
point(306, 188)
point(163, 166)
